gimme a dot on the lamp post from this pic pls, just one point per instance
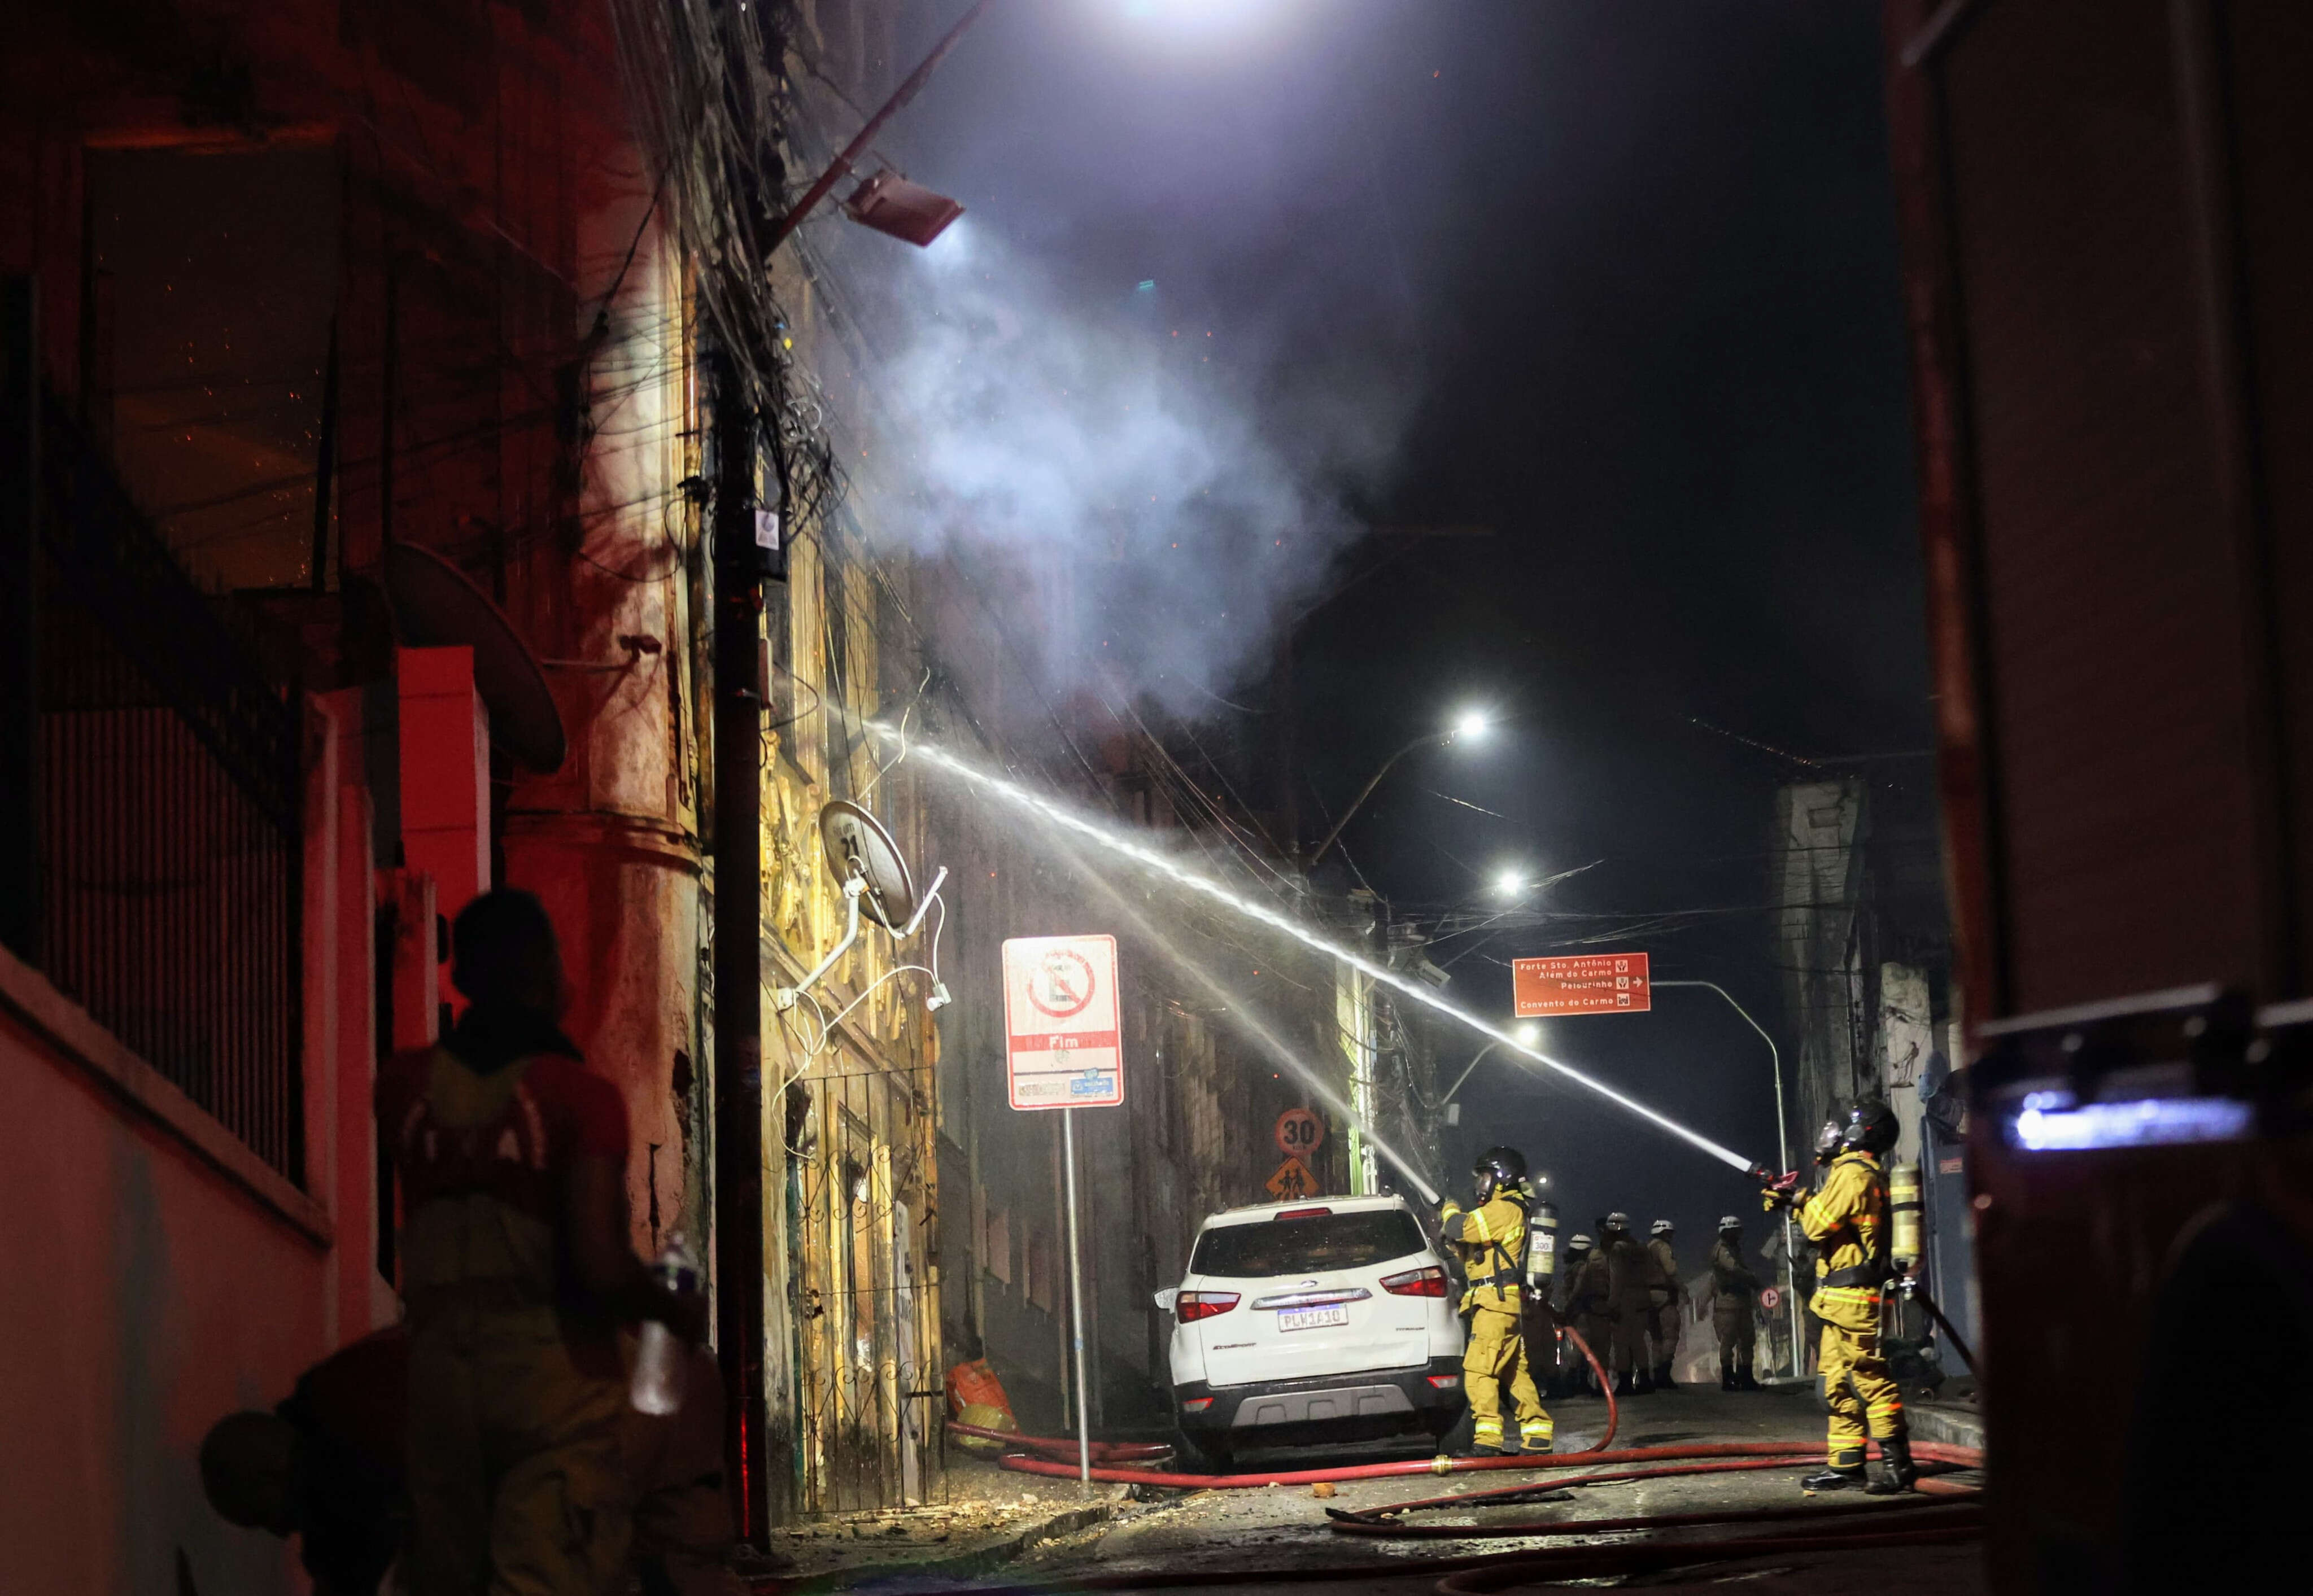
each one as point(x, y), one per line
point(1471, 723)
point(1783, 1152)
point(1527, 1035)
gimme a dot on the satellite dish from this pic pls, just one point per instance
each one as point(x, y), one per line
point(857, 843)
point(436, 605)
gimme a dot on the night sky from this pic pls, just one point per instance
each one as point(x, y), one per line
point(1615, 282)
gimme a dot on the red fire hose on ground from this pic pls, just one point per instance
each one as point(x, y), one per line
point(1055, 1456)
point(1951, 1511)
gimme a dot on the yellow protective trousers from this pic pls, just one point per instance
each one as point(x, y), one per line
point(1496, 1350)
point(1630, 1321)
point(1598, 1331)
point(1863, 1399)
point(1662, 1331)
point(1738, 1335)
point(518, 1484)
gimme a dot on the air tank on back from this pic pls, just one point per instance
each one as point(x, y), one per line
point(1542, 1247)
point(1903, 1206)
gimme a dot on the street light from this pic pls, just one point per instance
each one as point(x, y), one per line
point(886, 201)
point(1783, 1147)
point(1509, 883)
point(1471, 722)
point(1527, 1035)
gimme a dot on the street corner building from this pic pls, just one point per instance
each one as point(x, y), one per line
point(419, 475)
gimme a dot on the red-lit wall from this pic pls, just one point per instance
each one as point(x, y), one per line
point(149, 1295)
point(159, 1275)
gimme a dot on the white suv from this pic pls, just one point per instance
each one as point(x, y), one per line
point(1326, 1319)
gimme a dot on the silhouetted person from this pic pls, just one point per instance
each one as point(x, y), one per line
point(517, 1272)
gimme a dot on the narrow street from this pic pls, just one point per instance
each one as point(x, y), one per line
point(1150, 1539)
point(762, 757)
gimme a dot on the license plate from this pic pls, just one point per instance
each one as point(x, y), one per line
point(1311, 1319)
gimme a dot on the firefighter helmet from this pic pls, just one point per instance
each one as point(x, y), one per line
point(1496, 1170)
point(1872, 1125)
point(1730, 1222)
point(1661, 1227)
point(1618, 1222)
point(1579, 1242)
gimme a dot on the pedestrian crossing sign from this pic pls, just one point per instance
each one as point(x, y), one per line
point(1292, 1182)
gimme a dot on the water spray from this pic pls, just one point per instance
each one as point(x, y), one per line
point(1060, 815)
point(1250, 1020)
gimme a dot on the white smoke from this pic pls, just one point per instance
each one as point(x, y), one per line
point(1158, 490)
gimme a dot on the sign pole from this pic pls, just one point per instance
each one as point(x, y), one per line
point(1076, 1306)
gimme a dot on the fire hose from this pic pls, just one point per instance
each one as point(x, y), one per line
point(1117, 1458)
point(1948, 1512)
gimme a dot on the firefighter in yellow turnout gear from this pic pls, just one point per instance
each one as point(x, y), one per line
point(1848, 1222)
point(1492, 1238)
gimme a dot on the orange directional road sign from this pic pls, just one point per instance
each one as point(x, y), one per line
point(1584, 983)
point(1292, 1180)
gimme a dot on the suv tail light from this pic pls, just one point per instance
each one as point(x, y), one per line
point(1416, 1283)
point(1194, 1306)
point(1302, 1213)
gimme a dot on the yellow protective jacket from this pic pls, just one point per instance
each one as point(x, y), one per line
point(1492, 1238)
point(1631, 1273)
point(1847, 1221)
point(1663, 1284)
point(1731, 1278)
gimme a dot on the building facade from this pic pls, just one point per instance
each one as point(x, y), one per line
point(302, 300)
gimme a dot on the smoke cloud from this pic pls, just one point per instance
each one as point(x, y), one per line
point(1145, 484)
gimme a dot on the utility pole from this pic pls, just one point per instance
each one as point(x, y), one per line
point(743, 562)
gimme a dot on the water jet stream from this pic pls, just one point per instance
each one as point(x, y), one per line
point(1149, 858)
point(1249, 1020)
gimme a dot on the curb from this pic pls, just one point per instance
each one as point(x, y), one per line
point(1953, 1426)
point(980, 1560)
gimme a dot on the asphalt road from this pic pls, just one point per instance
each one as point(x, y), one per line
point(1216, 1538)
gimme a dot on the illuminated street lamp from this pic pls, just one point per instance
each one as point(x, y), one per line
point(889, 203)
point(1509, 883)
point(1472, 724)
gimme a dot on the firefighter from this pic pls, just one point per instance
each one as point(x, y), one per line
point(1631, 1271)
point(517, 1274)
point(1586, 1288)
point(1734, 1290)
point(1665, 1299)
point(1492, 1237)
point(1598, 1322)
point(1846, 1220)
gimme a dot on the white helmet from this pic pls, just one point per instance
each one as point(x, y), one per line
point(1662, 1227)
point(1579, 1242)
point(1728, 1222)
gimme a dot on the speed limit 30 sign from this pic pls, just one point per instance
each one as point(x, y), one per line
point(1299, 1133)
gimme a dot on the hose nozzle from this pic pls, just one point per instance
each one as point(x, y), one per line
point(1777, 1191)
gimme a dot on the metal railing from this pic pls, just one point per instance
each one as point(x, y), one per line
point(170, 857)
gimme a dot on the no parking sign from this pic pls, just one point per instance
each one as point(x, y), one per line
point(1061, 1046)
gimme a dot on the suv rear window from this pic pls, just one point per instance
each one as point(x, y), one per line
point(1305, 1246)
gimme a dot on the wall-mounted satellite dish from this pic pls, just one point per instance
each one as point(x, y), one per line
point(436, 605)
point(857, 843)
point(876, 883)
